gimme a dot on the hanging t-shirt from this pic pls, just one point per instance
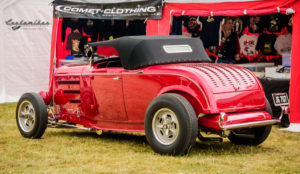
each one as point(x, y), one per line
point(118, 28)
point(210, 33)
point(193, 25)
point(73, 42)
point(275, 22)
point(239, 23)
point(248, 44)
point(89, 28)
point(135, 27)
point(104, 28)
point(139, 27)
point(265, 44)
point(255, 24)
point(176, 25)
point(73, 23)
point(283, 43)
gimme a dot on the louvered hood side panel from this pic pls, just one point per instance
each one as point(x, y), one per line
point(225, 77)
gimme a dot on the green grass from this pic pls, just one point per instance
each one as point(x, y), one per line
point(76, 151)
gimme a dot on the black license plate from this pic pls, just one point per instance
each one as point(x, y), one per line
point(280, 99)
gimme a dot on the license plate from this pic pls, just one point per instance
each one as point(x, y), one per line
point(280, 99)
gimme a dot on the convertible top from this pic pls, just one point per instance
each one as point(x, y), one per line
point(142, 51)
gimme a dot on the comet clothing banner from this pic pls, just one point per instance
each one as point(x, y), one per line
point(151, 9)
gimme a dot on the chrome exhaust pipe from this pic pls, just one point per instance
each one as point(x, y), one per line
point(65, 125)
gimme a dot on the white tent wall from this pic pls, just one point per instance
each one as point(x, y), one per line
point(24, 47)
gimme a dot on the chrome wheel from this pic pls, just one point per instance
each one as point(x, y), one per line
point(171, 124)
point(165, 126)
point(26, 116)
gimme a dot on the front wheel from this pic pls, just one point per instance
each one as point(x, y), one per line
point(251, 136)
point(31, 115)
point(171, 125)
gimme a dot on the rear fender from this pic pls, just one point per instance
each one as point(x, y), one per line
point(198, 103)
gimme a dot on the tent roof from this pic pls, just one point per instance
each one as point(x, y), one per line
point(229, 8)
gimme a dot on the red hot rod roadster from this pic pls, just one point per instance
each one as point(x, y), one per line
point(161, 85)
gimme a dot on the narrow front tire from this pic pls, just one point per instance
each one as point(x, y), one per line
point(31, 115)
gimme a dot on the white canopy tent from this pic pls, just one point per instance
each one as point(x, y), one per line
point(25, 37)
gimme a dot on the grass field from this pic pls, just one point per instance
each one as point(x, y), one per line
point(76, 151)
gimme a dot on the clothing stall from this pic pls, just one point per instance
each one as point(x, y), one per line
point(261, 51)
point(240, 9)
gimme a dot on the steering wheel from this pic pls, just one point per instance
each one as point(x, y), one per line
point(109, 63)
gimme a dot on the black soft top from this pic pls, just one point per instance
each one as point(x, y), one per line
point(142, 51)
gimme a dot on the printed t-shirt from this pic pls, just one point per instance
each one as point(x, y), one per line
point(73, 43)
point(283, 44)
point(248, 44)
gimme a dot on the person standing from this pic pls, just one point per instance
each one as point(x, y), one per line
point(229, 48)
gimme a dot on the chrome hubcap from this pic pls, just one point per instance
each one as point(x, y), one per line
point(165, 126)
point(26, 116)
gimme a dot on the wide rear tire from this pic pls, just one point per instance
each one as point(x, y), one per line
point(31, 115)
point(171, 125)
point(252, 136)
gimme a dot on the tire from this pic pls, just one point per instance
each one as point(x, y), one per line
point(171, 125)
point(31, 115)
point(252, 136)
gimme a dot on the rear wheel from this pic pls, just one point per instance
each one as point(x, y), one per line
point(171, 125)
point(251, 136)
point(31, 115)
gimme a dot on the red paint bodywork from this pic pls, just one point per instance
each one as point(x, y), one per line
point(117, 99)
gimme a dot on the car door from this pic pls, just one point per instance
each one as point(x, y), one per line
point(107, 86)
